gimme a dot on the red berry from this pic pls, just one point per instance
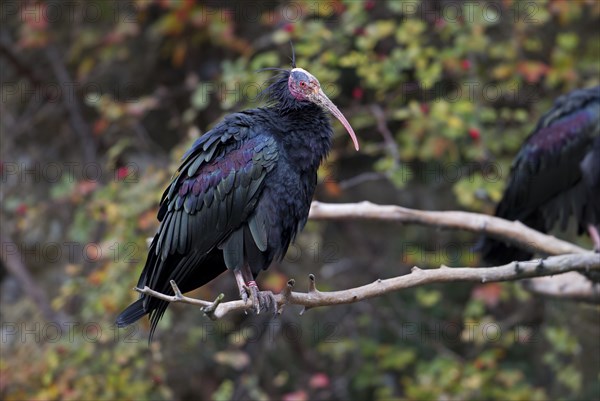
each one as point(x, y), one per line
point(319, 380)
point(369, 5)
point(424, 108)
point(465, 64)
point(360, 31)
point(474, 134)
point(289, 28)
point(357, 93)
point(21, 209)
point(122, 173)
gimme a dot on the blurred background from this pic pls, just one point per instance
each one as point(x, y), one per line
point(100, 99)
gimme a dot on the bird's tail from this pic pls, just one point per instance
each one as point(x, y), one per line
point(139, 308)
point(131, 314)
point(186, 270)
point(496, 253)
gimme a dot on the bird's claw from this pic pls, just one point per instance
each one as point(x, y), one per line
point(261, 300)
point(254, 295)
point(244, 293)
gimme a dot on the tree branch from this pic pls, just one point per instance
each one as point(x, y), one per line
point(570, 258)
point(9, 50)
point(388, 137)
point(511, 231)
point(568, 286)
point(13, 261)
point(513, 271)
point(76, 120)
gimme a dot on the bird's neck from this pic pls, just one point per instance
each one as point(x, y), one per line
point(306, 136)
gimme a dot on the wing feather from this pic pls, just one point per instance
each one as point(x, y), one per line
point(210, 198)
point(258, 230)
point(233, 249)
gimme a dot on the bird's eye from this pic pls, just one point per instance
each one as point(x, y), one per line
point(302, 84)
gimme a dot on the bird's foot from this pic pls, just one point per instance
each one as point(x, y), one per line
point(261, 300)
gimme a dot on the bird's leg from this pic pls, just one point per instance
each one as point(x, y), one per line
point(241, 283)
point(595, 236)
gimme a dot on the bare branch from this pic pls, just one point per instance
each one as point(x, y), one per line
point(76, 119)
point(13, 261)
point(514, 232)
point(513, 271)
point(388, 137)
point(9, 50)
point(570, 286)
point(570, 258)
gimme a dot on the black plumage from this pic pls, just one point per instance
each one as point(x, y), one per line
point(241, 194)
point(556, 174)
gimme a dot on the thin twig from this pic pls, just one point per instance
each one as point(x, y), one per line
point(13, 261)
point(388, 137)
point(76, 119)
point(9, 50)
point(361, 179)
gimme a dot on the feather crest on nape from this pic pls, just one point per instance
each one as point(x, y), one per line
point(293, 55)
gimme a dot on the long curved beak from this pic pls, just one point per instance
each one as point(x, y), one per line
point(322, 100)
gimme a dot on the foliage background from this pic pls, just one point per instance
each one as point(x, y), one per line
point(99, 101)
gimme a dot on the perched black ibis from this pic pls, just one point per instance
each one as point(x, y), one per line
point(556, 175)
point(240, 196)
